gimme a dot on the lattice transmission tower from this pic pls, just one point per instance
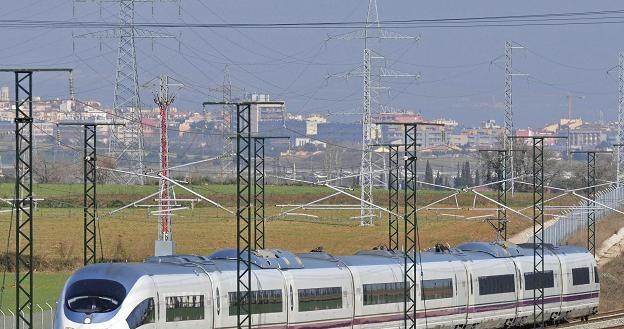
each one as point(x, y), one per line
point(620, 122)
point(164, 97)
point(227, 124)
point(126, 142)
point(372, 77)
point(508, 165)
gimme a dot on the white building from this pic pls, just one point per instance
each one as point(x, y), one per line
point(4, 94)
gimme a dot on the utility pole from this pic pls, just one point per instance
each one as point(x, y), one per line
point(259, 143)
point(371, 31)
point(89, 242)
point(501, 193)
point(127, 143)
point(591, 198)
point(24, 193)
point(538, 225)
point(410, 220)
point(393, 194)
point(165, 245)
point(244, 220)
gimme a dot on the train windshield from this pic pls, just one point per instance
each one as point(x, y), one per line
point(95, 296)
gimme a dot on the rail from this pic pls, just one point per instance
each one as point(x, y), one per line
point(611, 319)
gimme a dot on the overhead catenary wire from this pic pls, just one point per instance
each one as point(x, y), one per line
point(543, 19)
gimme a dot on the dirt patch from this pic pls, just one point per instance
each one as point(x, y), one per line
point(611, 287)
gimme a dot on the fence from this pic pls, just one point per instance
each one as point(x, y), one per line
point(575, 220)
point(43, 317)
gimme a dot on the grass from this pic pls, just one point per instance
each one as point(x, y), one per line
point(611, 287)
point(129, 235)
point(48, 287)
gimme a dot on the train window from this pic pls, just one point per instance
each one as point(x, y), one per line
point(596, 275)
point(437, 289)
point(547, 280)
point(144, 313)
point(580, 276)
point(317, 299)
point(262, 302)
point(185, 308)
point(383, 293)
point(497, 284)
point(95, 296)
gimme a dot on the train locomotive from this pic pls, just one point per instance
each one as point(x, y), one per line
point(474, 285)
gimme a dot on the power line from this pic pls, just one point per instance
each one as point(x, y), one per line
point(546, 19)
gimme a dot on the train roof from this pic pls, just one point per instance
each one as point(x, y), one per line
point(225, 260)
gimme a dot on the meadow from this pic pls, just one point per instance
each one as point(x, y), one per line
point(129, 235)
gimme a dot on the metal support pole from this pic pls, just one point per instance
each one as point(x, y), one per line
point(89, 160)
point(538, 231)
point(244, 172)
point(23, 194)
point(259, 143)
point(538, 226)
point(619, 138)
point(259, 193)
point(591, 197)
point(393, 197)
point(501, 195)
point(410, 220)
point(23, 200)
point(243, 215)
point(410, 229)
point(90, 195)
point(509, 126)
point(501, 213)
point(591, 194)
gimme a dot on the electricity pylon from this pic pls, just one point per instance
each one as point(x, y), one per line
point(371, 86)
point(126, 142)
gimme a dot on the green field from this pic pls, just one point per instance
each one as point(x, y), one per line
point(47, 285)
point(129, 235)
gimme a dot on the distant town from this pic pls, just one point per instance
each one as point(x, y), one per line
point(195, 134)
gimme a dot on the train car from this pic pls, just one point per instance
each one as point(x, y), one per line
point(475, 285)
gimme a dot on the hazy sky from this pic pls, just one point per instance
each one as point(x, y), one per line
point(457, 80)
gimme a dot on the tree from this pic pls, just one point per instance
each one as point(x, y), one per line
point(439, 179)
point(477, 179)
point(466, 175)
point(428, 173)
point(458, 181)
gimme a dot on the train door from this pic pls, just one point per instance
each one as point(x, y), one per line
point(462, 290)
point(469, 297)
point(519, 291)
point(144, 307)
point(156, 307)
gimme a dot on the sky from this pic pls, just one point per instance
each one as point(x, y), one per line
point(461, 69)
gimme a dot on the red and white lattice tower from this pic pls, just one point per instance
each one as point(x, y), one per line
point(164, 245)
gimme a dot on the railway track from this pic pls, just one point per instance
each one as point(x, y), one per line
point(611, 319)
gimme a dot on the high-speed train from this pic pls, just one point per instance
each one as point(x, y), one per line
point(475, 285)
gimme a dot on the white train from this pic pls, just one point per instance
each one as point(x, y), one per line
point(476, 285)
